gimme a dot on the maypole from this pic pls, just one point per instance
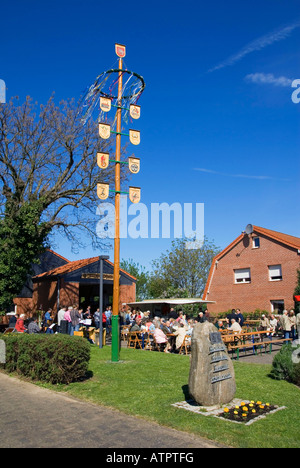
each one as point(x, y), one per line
point(115, 354)
point(126, 100)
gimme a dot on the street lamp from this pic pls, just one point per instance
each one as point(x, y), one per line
point(101, 260)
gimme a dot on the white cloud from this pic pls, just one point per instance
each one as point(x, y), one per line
point(269, 78)
point(241, 176)
point(258, 44)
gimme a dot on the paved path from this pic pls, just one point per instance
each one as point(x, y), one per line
point(33, 417)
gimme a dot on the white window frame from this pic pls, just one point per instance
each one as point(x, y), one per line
point(253, 242)
point(273, 269)
point(242, 276)
point(278, 301)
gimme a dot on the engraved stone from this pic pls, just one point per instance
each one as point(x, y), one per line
point(209, 384)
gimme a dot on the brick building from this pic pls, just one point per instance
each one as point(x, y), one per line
point(258, 270)
point(58, 282)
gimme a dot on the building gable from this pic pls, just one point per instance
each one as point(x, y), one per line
point(262, 264)
point(48, 261)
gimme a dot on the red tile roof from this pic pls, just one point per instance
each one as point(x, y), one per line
point(73, 266)
point(279, 236)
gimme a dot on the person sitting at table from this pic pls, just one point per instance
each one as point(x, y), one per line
point(165, 326)
point(173, 325)
point(180, 316)
point(201, 318)
point(33, 327)
point(273, 325)
point(20, 327)
point(190, 327)
point(136, 325)
point(264, 325)
point(220, 325)
point(161, 338)
point(180, 335)
point(12, 320)
point(235, 327)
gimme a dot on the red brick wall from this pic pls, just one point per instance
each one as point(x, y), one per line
point(69, 294)
point(45, 296)
point(258, 293)
point(24, 305)
point(127, 294)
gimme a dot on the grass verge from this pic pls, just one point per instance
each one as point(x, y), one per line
point(145, 384)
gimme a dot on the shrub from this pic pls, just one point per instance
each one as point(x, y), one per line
point(49, 358)
point(284, 367)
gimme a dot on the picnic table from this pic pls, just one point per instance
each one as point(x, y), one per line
point(251, 340)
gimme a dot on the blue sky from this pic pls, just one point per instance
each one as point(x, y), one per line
point(218, 124)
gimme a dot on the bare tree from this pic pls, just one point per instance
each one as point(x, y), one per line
point(48, 175)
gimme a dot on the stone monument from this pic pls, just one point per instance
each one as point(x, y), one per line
point(211, 379)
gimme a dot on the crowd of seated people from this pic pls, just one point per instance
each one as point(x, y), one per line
point(170, 331)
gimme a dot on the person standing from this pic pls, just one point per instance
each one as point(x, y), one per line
point(75, 319)
point(292, 320)
point(298, 325)
point(240, 317)
point(273, 325)
point(108, 314)
point(67, 317)
point(97, 319)
point(60, 317)
point(104, 321)
point(286, 325)
point(48, 320)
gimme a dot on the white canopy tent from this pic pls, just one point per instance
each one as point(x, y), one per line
point(156, 306)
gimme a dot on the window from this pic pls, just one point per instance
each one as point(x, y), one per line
point(275, 273)
point(277, 306)
point(242, 276)
point(256, 243)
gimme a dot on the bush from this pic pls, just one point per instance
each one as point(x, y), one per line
point(49, 358)
point(284, 367)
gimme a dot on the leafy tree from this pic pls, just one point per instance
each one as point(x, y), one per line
point(142, 276)
point(48, 180)
point(182, 272)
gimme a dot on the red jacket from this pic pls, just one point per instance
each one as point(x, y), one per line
point(20, 326)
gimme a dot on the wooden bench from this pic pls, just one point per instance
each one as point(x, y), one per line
point(243, 341)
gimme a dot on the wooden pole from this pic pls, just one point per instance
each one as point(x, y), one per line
point(116, 288)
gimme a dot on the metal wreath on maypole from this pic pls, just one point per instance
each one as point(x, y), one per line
point(129, 87)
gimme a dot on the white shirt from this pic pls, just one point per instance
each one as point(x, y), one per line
point(60, 316)
point(235, 327)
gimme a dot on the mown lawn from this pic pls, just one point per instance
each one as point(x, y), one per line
point(145, 384)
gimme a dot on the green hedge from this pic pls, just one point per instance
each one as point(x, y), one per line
point(256, 315)
point(49, 358)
